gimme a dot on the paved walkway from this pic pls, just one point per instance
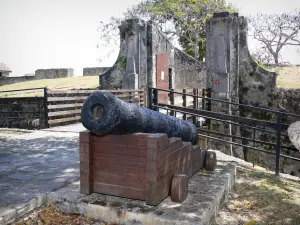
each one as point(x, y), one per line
point(74, 128)
point(33, 164)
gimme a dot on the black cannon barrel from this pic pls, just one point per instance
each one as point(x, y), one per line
point(103, 113)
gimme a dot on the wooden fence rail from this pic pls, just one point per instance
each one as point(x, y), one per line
point(64, 106)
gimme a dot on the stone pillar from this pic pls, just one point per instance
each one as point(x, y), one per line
point(134, 32)
point(222, 64)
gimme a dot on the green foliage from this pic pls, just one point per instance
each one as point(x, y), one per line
point(183, 20)
point(123, 61)
point(244, 90)
point(262, 65)
point(189, 18)
point(262, 115)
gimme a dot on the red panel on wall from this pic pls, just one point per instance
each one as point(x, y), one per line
point(162, 75)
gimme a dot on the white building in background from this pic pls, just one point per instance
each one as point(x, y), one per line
point(4, 70)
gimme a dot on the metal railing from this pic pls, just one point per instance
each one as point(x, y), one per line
point(275, 127)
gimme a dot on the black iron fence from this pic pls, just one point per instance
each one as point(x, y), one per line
point(24, 108)
point(272, 126)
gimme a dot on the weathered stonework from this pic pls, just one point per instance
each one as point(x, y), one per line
point(94, 71)
point(53, 73)
point(39, 75)
point(141, 43)
point(249, 83)
point(21, 113)
point(294, 134)
point(189, 73)
point(222, 68)
point(12, 80)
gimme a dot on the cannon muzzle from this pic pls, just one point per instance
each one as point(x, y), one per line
point(103, 113)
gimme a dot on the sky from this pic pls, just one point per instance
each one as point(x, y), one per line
point(42, 34)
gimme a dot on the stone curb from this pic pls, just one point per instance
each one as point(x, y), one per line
point(12, 215)
point(16, 129)
point(116, 210)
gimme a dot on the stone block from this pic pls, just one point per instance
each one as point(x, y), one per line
point(294, 134)
point(131, 81)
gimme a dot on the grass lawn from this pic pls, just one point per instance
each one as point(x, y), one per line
point(67, 83)
point(50, 216)
point(289, 77)
point(261, 198)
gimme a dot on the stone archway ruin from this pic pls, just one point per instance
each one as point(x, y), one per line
point(229, 71)
point(135, 67)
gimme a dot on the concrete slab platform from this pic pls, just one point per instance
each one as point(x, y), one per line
point(207, 191)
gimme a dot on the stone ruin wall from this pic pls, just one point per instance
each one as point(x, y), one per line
point(39, 74)
point(140, 43)
point(13, 80)
point(54, 73)
point(249, 84)
point(258, 87)
point(189, 73)
point(94, 71)
point(253, 85)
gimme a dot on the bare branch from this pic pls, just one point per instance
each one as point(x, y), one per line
point(275, 32)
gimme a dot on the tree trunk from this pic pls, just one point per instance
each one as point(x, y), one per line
point(196, 47)
point(275, 56)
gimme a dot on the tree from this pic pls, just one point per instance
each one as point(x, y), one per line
point(262, 55)
point(274, 32)
point(183, 20)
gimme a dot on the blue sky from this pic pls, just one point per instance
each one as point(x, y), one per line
point(40, 34)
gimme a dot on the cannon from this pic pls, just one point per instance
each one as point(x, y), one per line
point(103, 113)
point(133, 152)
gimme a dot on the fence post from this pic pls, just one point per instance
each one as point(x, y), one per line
point(145, 98)
point(203, 99)
point(150, 98)
point(254, 144)
point(195, 104)
point(209, 106)
point(184, 102)
point(130, 99)
point(46, 124)
point(155, 100)
point(278, 142)
point(172, 101)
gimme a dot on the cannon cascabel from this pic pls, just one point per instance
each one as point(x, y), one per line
point(103, 113)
